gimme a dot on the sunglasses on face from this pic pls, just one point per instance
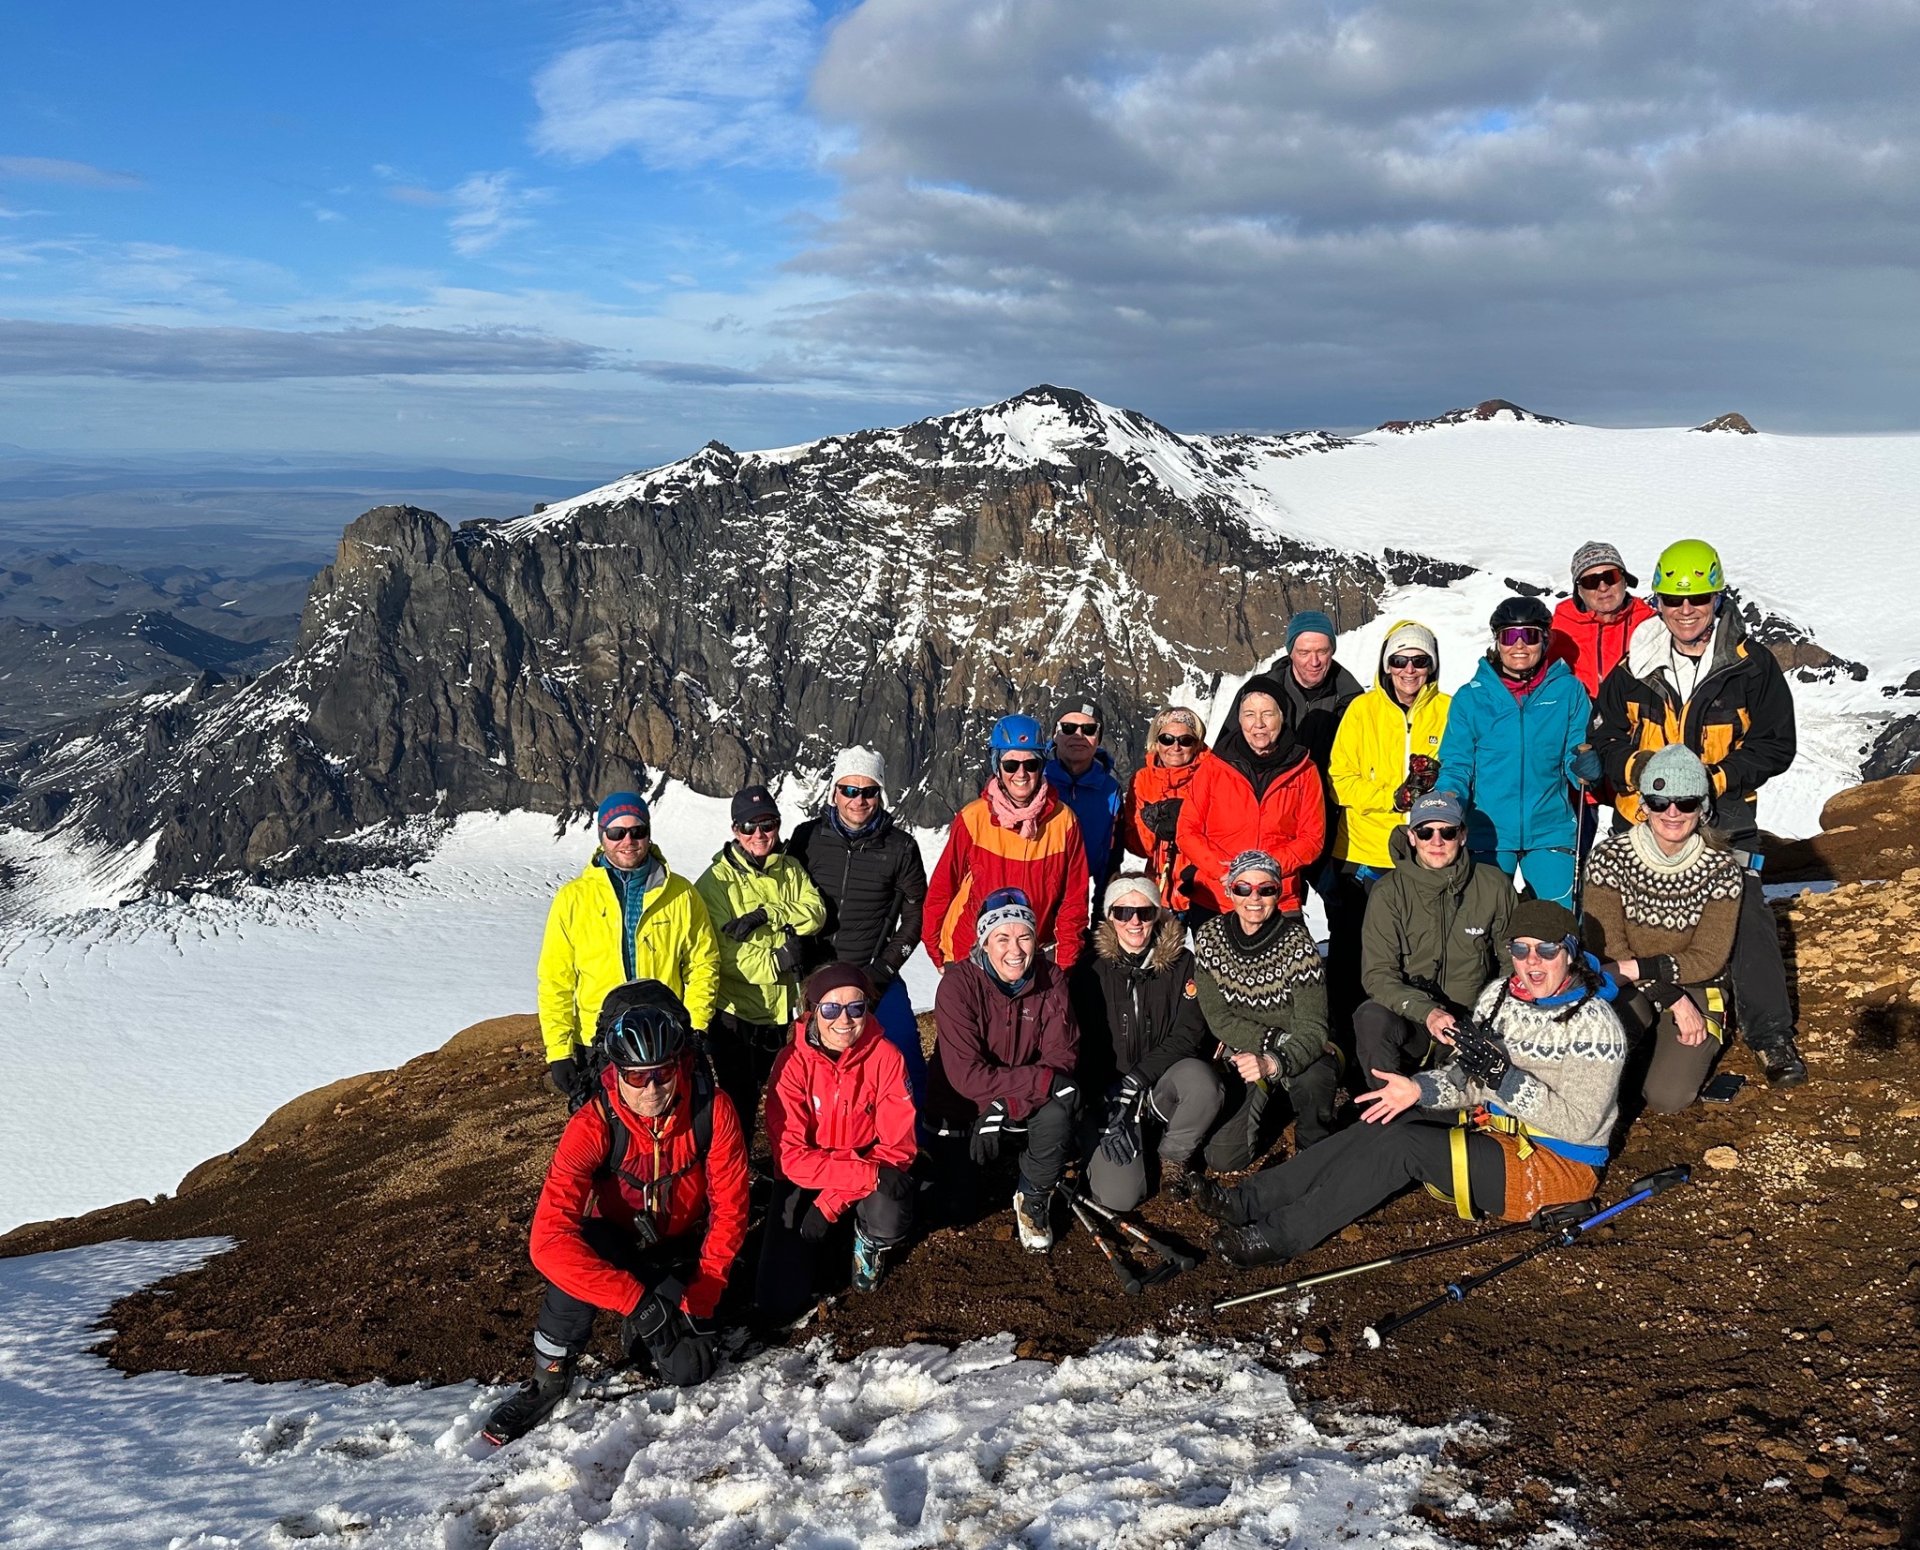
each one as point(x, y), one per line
point(859, 793)
point(1521, 635)
point(646, 1076)
point(621, 836)
point(1418, 659)
point(1148, 912)
point(1437, 831)
point(1180, 739)
point(1685, 804)
point(833, 1011)
point(1546, 952)
point(758, 826)
point(1600, 580)
point(1248, 890)
point(1080, 728)
point(1020, 766)
point(1700, 600)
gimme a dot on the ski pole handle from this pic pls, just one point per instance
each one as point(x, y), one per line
point(1129, 1282)
point(1139, 1234)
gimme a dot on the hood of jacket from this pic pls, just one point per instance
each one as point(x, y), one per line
point(1647, 651)
point(1231, 745)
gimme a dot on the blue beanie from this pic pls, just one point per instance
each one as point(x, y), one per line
point(1310, 621)
point(624, 804)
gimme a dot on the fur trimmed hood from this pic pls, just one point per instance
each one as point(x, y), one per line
point(1168, 943)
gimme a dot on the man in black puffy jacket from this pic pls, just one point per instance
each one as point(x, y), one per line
point(1144, 1047)
point(875, 884)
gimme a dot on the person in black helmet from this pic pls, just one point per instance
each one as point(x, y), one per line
point(643, 1211)
point(1512, 753)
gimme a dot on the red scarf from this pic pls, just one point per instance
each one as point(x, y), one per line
point(1024, 821)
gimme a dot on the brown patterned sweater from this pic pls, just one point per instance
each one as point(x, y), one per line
point(1675, 914)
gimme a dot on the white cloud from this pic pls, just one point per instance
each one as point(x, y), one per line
point(683, 84)
point(49, 169)
point(490, 206)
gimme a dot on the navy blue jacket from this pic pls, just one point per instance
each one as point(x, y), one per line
point(1095, 800)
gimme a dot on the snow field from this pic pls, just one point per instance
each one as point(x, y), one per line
point(1142, 1442)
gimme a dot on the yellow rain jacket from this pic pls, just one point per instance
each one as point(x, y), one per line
point(580, 958)
point(1369, 762)
point(751, 988)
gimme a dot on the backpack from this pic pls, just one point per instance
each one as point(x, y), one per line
point(613, 1166)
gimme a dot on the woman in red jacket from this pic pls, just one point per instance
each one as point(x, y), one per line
point(840, 1120)
point(1176, 749)
point(643, 1210)
point(1260, 791)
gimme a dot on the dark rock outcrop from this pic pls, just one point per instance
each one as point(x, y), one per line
point(726, 618)
point(1490, 409)
point(1738, 424)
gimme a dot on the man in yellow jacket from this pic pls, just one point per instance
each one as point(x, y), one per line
point(628, 916)
point(761, 902)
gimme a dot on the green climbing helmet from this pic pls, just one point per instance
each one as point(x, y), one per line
point(1690, 568)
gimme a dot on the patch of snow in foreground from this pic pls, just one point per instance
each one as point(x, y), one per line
point(1142, 1442)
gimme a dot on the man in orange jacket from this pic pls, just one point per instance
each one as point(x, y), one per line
point(643, 1211)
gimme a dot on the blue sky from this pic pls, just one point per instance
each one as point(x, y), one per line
point(542, 233)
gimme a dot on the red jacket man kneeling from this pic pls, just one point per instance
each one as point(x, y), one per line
point(643, 1211)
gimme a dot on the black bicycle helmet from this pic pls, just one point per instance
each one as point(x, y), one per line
point(1516, 611)
point(643, 1024)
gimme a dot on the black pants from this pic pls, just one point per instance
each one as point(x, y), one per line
point(791, 1268)
point(566, 1323)
point(1317, 1192)
point(1761, 1004)
point(1345, 898)
point(1253, 1118)
point(742, 1054)
point(1042, 1153)
point(1386, 1041)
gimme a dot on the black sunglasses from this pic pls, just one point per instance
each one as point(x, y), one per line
point(1017, 766)
point(1685, 804)
point(1546, 952)
point(1686, 600)
point(1080, 728)
point(621, 836)
point(1183, 739)
point(859, 793)
point(1419, 659)
point(758, 826)
point(1598, 580)
point(1134, 912)
point(1437, 831)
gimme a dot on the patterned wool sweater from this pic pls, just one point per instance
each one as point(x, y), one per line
point(1263, 994)
point(1675, 914)
point(1565, 1081)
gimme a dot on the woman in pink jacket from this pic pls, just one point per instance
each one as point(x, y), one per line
point(840, 1120)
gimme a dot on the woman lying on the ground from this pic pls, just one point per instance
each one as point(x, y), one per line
point(1517, 1120)
point(1663, 902)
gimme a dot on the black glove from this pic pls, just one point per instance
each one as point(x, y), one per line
point(650, 1325)
point(1162, 818)
point(1587, 766)
point(814, 1226)
point(894, 1183)
point(570, 1080)
point(1477, 1050)
point(1422, 771)
point(743, 926)
point(687, 1359)
point(1120, 1141)
point(984, 1147)
point(1404, 796)
point(786, 957)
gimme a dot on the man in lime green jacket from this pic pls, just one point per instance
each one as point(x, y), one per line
point(628, 916)
point(761, 902)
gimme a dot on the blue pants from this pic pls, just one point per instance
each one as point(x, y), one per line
point(1549, 873)
point(895, 1012)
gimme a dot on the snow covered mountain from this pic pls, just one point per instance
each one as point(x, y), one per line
point(735, 616)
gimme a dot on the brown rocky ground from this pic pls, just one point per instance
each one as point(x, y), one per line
point(1736, 1364)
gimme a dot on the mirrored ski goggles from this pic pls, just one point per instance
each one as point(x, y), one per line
point(1417, 659)
point(1521, 635)
point(859, 793)
point(1600, 580)
point(1134, 912)
point(646, 1076)
point(1437, 831)
point(1546, 952)
point(1685, 804)
point(833, 1011)
point(1248, 890)
point(619, 836)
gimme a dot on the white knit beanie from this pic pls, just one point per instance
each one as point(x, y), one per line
point(860, 762)
point(1411, 636)
point(1125, 886)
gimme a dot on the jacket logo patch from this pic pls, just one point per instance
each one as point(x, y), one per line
point(1474, 930)
point(1191, 991)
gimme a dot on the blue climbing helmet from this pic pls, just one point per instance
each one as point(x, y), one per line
point(1011, 733)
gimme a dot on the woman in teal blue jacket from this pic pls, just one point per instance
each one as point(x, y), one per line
point(1512, 752)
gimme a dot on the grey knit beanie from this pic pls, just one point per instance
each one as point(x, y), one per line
point(1252, 861)
point(1675, 771)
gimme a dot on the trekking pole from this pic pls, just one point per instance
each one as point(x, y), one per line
point(1140, 1235)
point(1550, 1219)
point(1123, 1272)
point(1644, 1188)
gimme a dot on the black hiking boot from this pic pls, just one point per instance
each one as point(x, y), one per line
point(1213, 1199)
point(530, 1404)
point(1780, 1063)
point(1246, 1247)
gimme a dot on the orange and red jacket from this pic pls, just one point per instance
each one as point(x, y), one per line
point(834, 1124)
point(1222, 817)
point(1590, 645)
point(709, 1198)
point(1156, 782)
point(1050, 869)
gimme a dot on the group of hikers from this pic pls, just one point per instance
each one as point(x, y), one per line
point(1533, 887)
